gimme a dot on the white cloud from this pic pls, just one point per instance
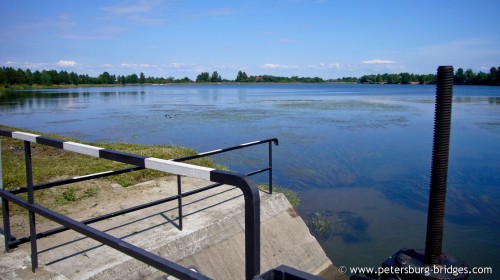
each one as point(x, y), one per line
point(132, 65)
point(176, 65)
point(187, 68)
point(66, 63)
point(279, 66)
point(379, 61)
point(325, 66)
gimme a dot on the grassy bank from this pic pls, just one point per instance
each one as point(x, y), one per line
point(291, 195)
point(50, 164)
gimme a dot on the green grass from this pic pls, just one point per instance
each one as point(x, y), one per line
point(73, 194)
point(50, 163)
point(292, 196)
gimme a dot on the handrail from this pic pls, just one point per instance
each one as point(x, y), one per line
point(237, 147)
point(76, 179)
point(248, 187)
point(179, 196)
point(218, 151)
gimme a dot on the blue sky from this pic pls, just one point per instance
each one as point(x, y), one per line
point(329, 39)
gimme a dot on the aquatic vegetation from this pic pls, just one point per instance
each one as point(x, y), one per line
point(336, 105)
point(320, 226)
point(350, 226)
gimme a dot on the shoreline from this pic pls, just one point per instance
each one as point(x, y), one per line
point(38, 87)
point(27, 87)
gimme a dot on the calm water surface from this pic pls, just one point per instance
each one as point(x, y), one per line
point(359, 155)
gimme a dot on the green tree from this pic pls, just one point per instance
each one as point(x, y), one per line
point(10, 76)
point(45, 78)
point(493, 77)
point(37, 77)
point(21, 78)
point(28, 76)
point(73, 77)
point(2, 76)
point(132, 79)
point(317, 80)
point(481, 78)
point(215, 78)
point(142, 78)
point(184, 80)
point(405, 78)
point(84, 79)
point(203, 77)
point(469, 76)
point(459, 78)
point(105, 78)
point(121, 80)
point(54, 76)
point(241, 77)
point(64, 78)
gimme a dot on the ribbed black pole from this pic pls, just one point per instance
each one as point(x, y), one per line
point(439, 169)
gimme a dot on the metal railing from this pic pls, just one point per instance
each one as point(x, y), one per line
point(268, 169)
point(175, 166)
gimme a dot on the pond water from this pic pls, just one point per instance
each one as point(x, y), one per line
point(358, 155)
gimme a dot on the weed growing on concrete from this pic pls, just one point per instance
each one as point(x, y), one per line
point(292, 196)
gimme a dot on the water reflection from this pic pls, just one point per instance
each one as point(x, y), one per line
point(494, 100)
point(468, 99)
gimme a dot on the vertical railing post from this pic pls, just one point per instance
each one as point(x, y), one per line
point(5, 209)
point(270, 167)
point(31, 200)
point(179, 199)
point(6, 224)
point(252, 217)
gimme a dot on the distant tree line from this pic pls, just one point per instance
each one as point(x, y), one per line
point(401, 78)
point(242, 77)
point(10, 76)
point(468, 77)
point(461, 77)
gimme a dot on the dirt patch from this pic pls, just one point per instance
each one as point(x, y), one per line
point(292, 212)
point(89, 199)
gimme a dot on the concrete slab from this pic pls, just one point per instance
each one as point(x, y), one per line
point(212, 240)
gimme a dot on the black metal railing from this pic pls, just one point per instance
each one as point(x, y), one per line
point(268, 169)
point(175, 166)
